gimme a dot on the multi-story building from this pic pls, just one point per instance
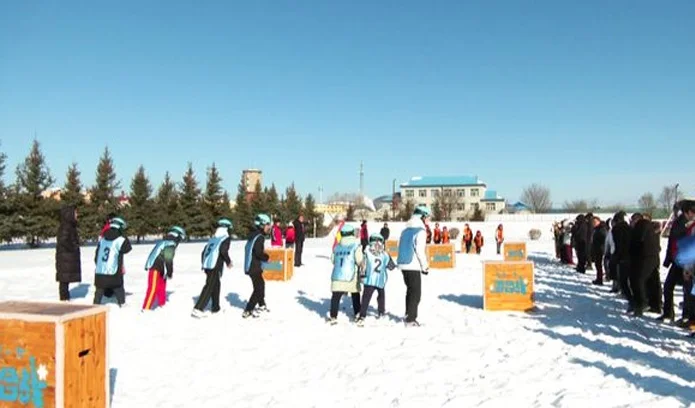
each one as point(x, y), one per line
point(249, 179)
point(464, 193)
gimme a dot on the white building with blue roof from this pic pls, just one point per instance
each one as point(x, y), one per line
point(467, 193)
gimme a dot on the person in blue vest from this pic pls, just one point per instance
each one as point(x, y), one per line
point(214, 258)
point(254, 258)
point(109, 262)
point(377, 263)
point(412, 261)
point(160, 267)
point(347, 257)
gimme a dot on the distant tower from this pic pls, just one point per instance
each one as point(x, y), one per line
point(361, 179)
point(249, 179)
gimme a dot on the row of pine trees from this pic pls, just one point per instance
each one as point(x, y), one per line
point(26, 214)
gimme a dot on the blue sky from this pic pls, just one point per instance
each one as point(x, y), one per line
point(593, 99)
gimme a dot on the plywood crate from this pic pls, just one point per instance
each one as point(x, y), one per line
point(514, 251)
point(508, 285)
point(53, 355)
point(392, 248)
point(280, 266)
point(441, 256)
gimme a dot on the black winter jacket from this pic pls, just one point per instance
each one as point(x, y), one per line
point(385, 232)
point(678, 231)
point(644, 242)
point(598, 241)
point(621, 239)
point(258, 255)
point(68, 263)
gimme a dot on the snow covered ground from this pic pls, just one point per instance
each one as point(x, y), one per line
point(578, 349)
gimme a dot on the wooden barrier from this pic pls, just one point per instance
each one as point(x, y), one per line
point(392, 248)
point(441, 256)
point(53, 355)
point(280, 266)
point(508, 285)
point(514, 251)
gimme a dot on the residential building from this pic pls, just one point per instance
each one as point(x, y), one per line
point(249, 179)
point(465, 194)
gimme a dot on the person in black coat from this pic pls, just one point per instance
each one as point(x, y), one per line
point(644, 259)
point(579, 236)
point(299, 240)
point(385, 232)
point(68, 263)
point(675, 272)
point(621, 254)
point(598, 248)
point(589, 240)
point(254, 258)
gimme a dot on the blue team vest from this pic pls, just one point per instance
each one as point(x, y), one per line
point(344, 266)
point(248, 253)
point(108, 255)
point(406, 245)
point(376, 271)
point(156, 251)
point(211, 252)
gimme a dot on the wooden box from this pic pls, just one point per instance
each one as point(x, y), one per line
point(392, 248)
point(53, 355)
point(508, 285)
point(441, 256)
point(280, 266)
point(514, 251)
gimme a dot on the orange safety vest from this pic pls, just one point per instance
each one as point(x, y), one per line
point(500, 235)
point(445, 237)
point(478, 240)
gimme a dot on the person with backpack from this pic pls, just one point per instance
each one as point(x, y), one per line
point(160, 267)
point(214, 258)
point(412, 261)
point(108, 259)
point(254, 259)
point(377, 263)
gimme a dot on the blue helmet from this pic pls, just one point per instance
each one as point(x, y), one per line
point(178, 232)
point(224, 223)
point(262, 220)
point(118, 223)
point(347, 230)
point(376, 238)
point(422, 211)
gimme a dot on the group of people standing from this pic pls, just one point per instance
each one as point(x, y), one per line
point(627, 253)
point(294, 236)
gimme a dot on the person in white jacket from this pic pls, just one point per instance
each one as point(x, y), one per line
point(412, 261)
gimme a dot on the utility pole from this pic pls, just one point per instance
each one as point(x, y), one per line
point(361, 179)
point(320, 194)
point(675, 194)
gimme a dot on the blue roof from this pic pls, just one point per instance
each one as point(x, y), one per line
point(520, 206)
point(443, 181)
point(491, 195)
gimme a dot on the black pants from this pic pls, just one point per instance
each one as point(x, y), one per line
point(478, 250)
point(365, 244)
point(688, 300)
point(612, 269)
point(64, 290)
point(654, 294)
point(468, 247)
point(367, 297)
point(298, 248)
point(582, 258)
point(258, 295)
point(413, 283)
point(499, 247)
point(118, 292)
point(673, 279)
point(642, 272)
point(335, 303)
point(624, 280)
point(599, 268)
point(211, 291)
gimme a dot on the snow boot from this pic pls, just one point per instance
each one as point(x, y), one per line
point(359, 322)
point(252, 314)
point(332, 321)
point(263, 309)
point(666, 316)
point(414, 323)
point(198, 314)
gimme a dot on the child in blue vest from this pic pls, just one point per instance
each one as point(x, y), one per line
point(377, 263)
point(109, 262)
point(160, 267)
point(214, 258)
point(254, 258)
point(347, 256)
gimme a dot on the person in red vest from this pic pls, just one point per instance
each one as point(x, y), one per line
point(437, 234)
point(445, 235)
point(276, 234)
point(289, 236)
point(364, 235)
point(479, 241)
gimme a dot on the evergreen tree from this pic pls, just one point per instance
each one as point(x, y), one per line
point(102, 196)
point(407, 210)
point(6, 210)
point(273, 202)
point(39, 219)
point(385, 217)
point(3, 159)
point(258, 201)
point(192, 217)
point(293, 204)
point(437, 211)
point(166, 205)
point(242, 218)
point(72, 191)
point(140, 214)
point(213, 204)
point(312, 217)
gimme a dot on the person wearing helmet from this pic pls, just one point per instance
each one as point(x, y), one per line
point(108, 278)
point(214, 258)
point(254, 258)
point(412, 261)
point(346, 258)
point(160, 267)
point(377, 263)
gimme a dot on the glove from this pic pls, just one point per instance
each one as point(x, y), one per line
point(667, 263)
point(426, 272)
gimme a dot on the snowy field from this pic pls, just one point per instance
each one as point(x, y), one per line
point(579, 349)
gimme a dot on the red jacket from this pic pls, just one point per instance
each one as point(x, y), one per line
point(364, 234)
point(276, 239)
point(290, 235)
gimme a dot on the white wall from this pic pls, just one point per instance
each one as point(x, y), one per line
point(539, 217)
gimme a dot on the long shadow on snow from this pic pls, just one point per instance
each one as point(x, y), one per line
point(80, 291)
point(113, 373)
point(474, 301)
point(323, 306)
point(573, 303)
point(235, 301)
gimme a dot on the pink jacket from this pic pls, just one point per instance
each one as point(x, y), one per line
point(276, 238)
